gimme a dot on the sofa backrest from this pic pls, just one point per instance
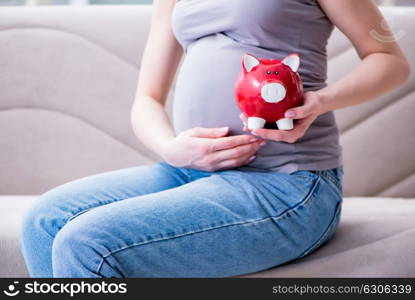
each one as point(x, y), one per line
point(67, 82)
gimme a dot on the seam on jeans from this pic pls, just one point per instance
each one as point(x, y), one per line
point(316, 244)
point(303, 202)
point(81, 210)
point(336, 181)
point(327, 175)
point(78, 214)
point(100, 266)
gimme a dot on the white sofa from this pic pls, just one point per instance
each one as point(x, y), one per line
point(67, 82)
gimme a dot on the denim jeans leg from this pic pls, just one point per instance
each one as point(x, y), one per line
point(223, 224)
point(54, 209)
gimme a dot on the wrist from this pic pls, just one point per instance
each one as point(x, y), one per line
point(323, 99)
point(163, 147)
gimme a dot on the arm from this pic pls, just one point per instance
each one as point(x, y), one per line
point(149, 119)
point(383, 68)
point(202, 148)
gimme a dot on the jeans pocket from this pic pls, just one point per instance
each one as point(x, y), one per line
point(328, 233)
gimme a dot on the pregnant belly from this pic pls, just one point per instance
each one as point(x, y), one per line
point(204, 92)
point(204, 96)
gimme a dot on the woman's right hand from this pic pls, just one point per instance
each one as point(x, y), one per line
point(209, 149)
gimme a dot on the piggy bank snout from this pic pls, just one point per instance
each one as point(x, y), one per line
point(273, 92)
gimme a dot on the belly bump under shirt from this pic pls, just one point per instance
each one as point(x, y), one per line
point(215, 34)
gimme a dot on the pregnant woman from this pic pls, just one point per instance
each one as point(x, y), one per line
point(223, 201)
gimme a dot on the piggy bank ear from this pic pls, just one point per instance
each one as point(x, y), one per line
point(250, 62)
point(293, 61)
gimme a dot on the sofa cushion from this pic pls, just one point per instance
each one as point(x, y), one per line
point(12, 209)
point(374, 239)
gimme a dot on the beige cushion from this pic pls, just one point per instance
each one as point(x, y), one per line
point(12, 209)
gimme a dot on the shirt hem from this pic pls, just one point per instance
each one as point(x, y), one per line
point(293, 167)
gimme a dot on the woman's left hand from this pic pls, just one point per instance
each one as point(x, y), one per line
point(304, 116)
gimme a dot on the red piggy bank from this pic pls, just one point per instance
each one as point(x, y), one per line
point(266, 88)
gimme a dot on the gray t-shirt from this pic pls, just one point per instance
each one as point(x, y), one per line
point(215, 34)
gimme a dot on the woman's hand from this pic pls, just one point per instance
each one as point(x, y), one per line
point(209, 149)
point(304, 115)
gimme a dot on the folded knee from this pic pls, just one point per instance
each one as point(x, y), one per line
point(75, 252)
point(45, 215)
point(67, 245)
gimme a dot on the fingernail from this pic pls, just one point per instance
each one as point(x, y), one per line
point(224, 129)
point(253, 139)
point(262, 143)
point(254, 132)
point(252, 157)
point(289, 114)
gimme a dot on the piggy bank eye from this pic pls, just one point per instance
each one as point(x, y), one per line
point(276, 72)
point(268, 72)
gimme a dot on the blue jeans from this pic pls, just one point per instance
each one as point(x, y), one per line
point(162, 221)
